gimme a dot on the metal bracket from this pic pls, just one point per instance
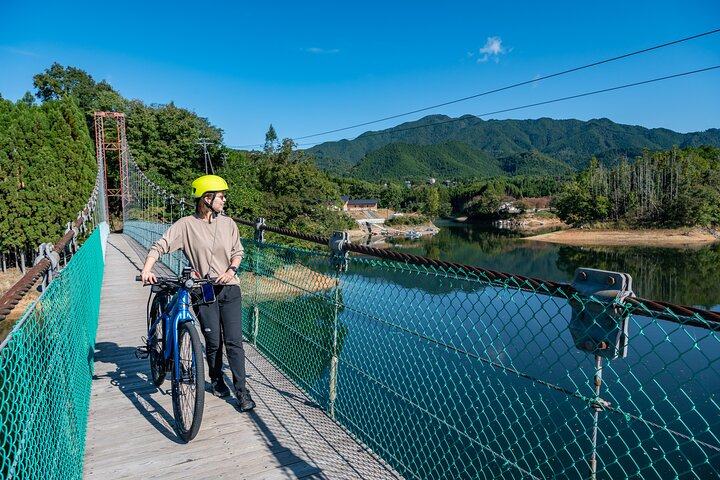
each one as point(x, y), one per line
point(47, 250)
point(73, 244)
point(260, 230)
point(339, 257)
point(83, 218)
point(599, 323)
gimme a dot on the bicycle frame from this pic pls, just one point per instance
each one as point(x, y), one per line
point(174, 313)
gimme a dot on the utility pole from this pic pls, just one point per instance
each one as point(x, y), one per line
point(204, 142)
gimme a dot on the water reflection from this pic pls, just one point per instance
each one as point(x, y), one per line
point(439, 356)
point(686, 276)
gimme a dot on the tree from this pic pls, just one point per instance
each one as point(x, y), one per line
point(57, 82)
point(47, 171)
point(27, 99)
point(669, 188)
point(270, 141)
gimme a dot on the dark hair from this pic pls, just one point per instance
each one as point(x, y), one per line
point(201, 207)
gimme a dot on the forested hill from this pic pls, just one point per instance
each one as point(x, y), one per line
point(571, 142)
point(400, 161)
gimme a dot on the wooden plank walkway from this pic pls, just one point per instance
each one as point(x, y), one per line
point(130, 431)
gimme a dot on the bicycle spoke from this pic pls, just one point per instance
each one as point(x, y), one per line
point(186, 383)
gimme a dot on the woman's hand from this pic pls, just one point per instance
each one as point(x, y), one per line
point(148, 277)
point(225, 277)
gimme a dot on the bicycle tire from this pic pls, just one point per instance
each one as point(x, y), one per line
point(188, 392)
point(156, 355)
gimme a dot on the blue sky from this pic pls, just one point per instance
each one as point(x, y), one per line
point(313, 67)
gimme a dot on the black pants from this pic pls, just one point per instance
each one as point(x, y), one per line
point(220, 320)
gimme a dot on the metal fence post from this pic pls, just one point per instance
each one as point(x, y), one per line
point(599, 326)
point(259, 240)
point(339, 260)
point(334, 358)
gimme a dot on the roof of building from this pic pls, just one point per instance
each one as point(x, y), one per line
point(358, 201)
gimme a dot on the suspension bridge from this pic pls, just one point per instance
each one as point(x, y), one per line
point(365, 363)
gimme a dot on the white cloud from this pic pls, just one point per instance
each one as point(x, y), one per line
point(320, 51)
point(493, 49)
point(17, 51)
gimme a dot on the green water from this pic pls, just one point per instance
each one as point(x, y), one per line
point(685, 276)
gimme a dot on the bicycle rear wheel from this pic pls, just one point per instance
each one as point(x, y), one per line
point(188, 391)
point(156, 356)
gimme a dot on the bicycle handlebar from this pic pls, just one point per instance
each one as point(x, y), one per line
point(177, 280)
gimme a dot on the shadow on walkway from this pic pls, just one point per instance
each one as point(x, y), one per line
point(136, 387)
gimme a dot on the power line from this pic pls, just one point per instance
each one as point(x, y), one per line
point(529, 105)
point(507, 87)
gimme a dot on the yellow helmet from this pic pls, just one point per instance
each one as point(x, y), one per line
point(208, 183)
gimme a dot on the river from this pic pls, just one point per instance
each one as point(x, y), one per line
point(447, 377)
point(689, 276)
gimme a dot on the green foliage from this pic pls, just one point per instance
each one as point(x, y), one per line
point(47, 170)
point(451, 160)
point(482, 199)
point(562, 143)
point(284, 188)
point(668, 188)
point(533, 163)
point(58, 82)
point(486, 205)
point(430, 200)
point(399, 161)
point(270, 141)
point(163, 141)
point(162, 138)
point(576, 205)
point(46, 152)
point(407, 220)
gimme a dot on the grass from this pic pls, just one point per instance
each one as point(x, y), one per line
point(544, 214)
point(7, 280)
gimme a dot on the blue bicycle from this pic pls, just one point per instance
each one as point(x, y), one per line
point(173, 346)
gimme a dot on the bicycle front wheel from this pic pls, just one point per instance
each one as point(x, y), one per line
point(188, 391)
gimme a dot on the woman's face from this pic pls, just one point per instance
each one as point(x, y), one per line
point(219, 203)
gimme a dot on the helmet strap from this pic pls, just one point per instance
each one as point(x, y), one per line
point(210, 205)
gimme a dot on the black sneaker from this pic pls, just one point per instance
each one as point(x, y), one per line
point(245, 401)
point(219, 389)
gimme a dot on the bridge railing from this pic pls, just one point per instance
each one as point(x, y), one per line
point(454, 371)
point(46, 360)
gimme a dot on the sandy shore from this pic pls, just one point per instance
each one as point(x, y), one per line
point(672, 238)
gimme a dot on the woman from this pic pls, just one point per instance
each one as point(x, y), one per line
point(211, 243)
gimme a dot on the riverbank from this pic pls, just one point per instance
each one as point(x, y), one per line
point(381, 232)
point(668, 238)
point(532, 222)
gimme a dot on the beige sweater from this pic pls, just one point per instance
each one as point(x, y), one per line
point(210, 247)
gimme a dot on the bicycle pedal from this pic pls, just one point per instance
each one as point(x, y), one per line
point(142, 351)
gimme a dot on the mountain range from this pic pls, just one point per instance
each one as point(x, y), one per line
point(468, 146)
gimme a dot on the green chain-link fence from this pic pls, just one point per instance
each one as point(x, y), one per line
point(447, 374)
point(46, 366)
point(149, 212)
point(452, 372)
